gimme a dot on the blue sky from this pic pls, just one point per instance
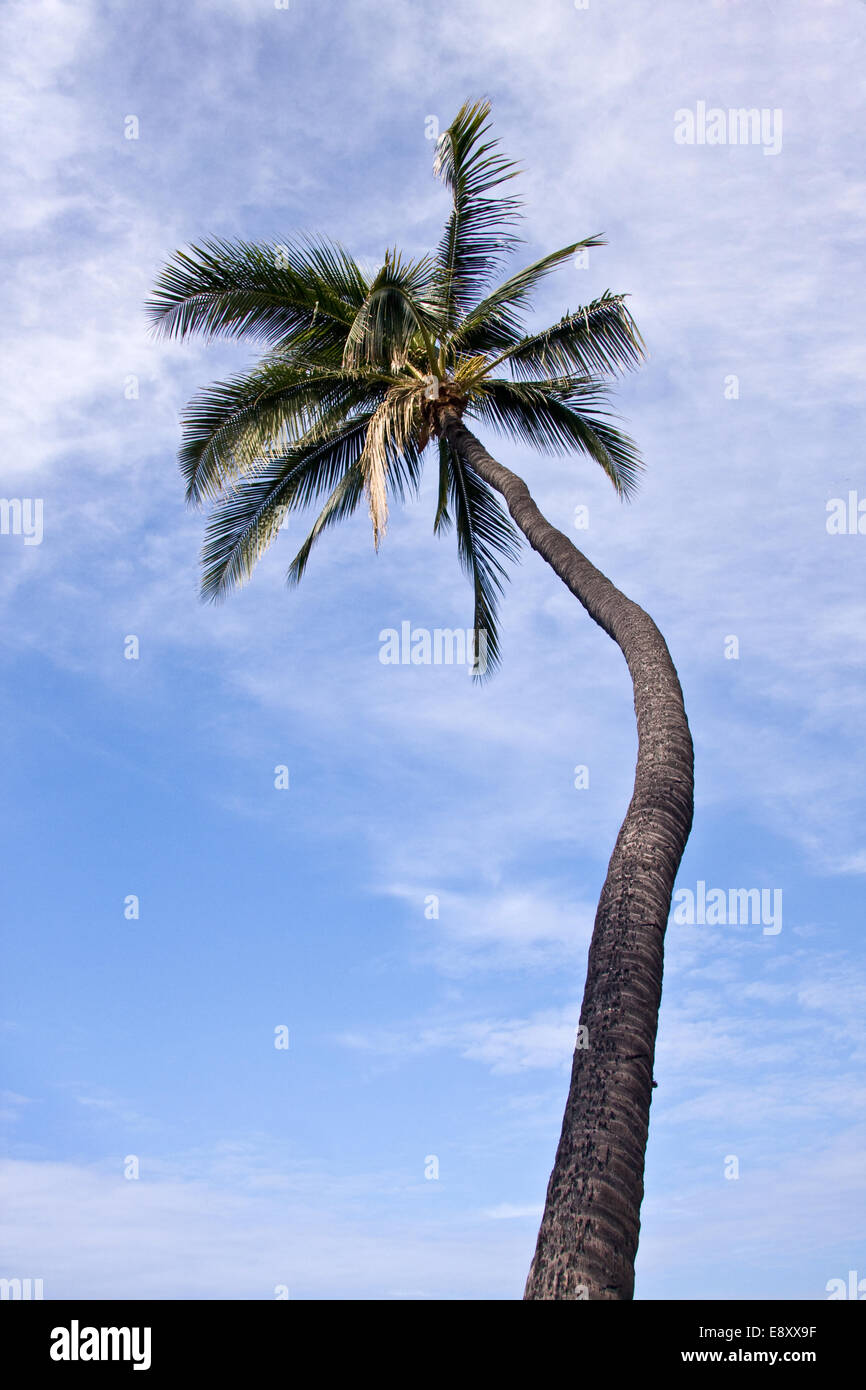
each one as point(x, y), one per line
point(413, 1036)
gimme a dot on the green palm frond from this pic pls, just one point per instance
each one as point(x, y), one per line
point(342, 502)
point(486, 537)
point(495, 324)
point(470, 370)
point(442, 519)
point(558, 417)
point(600, 339)
point(477, 236)
point(403, 476)
point(232, 424)
point(251, 511)
point(275, 294)
point(395, 311)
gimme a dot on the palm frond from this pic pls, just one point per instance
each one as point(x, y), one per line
point(251, 511)
point(600, 339)
point(442, 519)
point(390, 439)
point(342, 502)
point(402, 472)
point(274, 294)
point(485, 537)
point(233, 424)
point(395, 310)
point(496, 323)
point(469, 370)
point(557, 417)
point(477, 236)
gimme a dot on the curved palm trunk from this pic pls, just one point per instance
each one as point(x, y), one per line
point(589, 1232)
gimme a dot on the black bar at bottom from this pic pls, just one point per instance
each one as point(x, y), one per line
point(211, 1338)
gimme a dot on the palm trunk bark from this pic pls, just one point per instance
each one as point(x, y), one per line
point(589, 1231)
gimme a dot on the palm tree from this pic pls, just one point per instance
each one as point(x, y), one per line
point(361, 373)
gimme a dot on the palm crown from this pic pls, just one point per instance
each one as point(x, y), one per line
point(344, 403)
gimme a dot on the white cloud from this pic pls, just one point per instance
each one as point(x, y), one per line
point(506, 1046)
point(786, 1226)
point(90, 1234)
point(508, 1212)
point(510, 930)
